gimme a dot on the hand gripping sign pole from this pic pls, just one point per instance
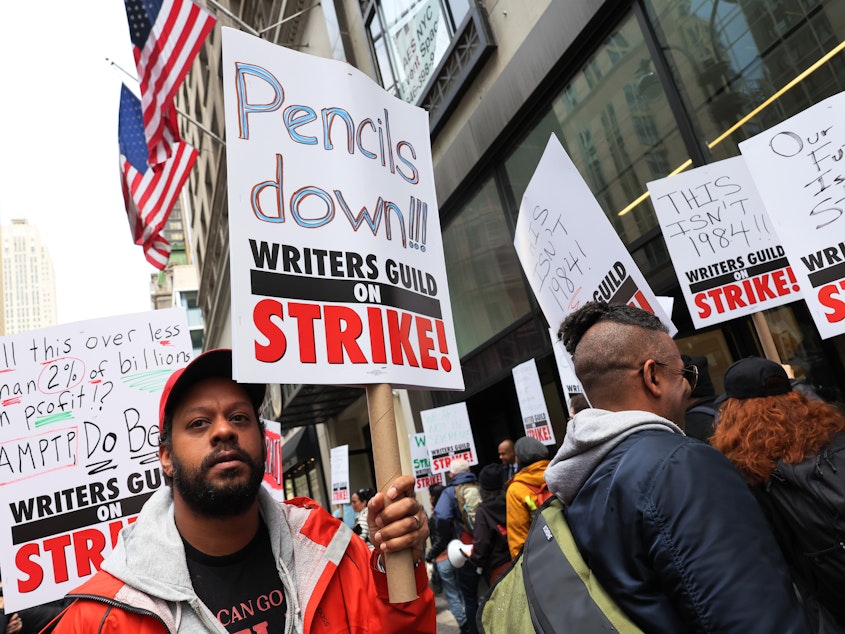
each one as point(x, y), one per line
point(399, 566)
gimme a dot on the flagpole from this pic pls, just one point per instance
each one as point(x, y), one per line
point(183, 114)
point(232, 16)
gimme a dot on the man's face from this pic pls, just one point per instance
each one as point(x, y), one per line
point(506, 453)
point(217, 454)
point(676, 397)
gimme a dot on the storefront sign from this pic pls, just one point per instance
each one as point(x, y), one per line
point(340, 474)
point(568, 248)
point(532, 403)
point(418, 40)
point(78, 443)
point(728, 260)
point(799, 170)
point(336, 256)
point(448, 436)
point(422, 464)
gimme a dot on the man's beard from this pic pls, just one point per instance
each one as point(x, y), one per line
point(215, 500)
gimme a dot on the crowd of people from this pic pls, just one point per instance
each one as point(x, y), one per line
point(734, 526)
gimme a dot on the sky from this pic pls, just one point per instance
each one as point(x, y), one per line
point(59, 165)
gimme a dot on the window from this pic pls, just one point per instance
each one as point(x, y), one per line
point(485, 278)
point(410, 39)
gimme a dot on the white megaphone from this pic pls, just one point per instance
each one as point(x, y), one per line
point(458, 552)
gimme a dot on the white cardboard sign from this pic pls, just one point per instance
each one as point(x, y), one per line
point(532, 403)
point(422, 464)
point(727, 257)
point(336, 255)
point(568, 248)
point(571, 384)
point(78, 443)
point(799, 170)
point(448, 436)
point(340, 474)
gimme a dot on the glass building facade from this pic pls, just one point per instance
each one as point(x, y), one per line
point(659, 87)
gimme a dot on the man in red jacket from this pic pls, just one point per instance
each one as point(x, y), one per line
point(214, 552)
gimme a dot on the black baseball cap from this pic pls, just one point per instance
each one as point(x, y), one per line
point(755, 377)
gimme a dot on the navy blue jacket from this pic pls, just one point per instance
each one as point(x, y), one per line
point(677, 556)
point(447, 511)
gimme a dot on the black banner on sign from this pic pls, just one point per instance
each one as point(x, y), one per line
point(317, 289)
point(66, 522)
point(730, 278)
point(825, 276)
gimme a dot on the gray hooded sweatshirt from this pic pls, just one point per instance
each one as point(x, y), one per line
point(590, 436)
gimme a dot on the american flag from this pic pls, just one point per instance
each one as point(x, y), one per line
point(166, 36)
point(149, 191)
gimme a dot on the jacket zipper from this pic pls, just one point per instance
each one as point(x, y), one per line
point(123, 606)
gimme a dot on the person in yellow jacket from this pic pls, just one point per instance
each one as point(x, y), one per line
point(525, 490)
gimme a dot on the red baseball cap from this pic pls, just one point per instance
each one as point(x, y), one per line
point(213, 363)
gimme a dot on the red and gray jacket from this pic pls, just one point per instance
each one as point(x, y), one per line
point(144, 586)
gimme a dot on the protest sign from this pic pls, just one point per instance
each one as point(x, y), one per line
point(448, 436)
point(532, 403)
point(340, 474)
point(78, 443)
point(798, 169)
point(273, 475)
point(568, 248)
point(571, 384)
point(728, 260)
point(422, 464)
point(336, 255)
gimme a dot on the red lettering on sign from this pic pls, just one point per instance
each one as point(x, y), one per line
point(348, 338)
point(745, 293)
point(540, 433)
point(830, 296)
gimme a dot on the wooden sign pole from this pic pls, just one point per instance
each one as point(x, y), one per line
point(401, 585)
point(765, 335)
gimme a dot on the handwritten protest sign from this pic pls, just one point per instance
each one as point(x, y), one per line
point(336, 256)
point(532, 403)
point(340, 474)
point(724, 250)
point(568, 248)
point(448, 436)
point(571, 384)
point(799, 170)
point(422, 464)
point(78, 443)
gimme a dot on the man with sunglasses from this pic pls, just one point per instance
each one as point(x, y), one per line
point(664, 521)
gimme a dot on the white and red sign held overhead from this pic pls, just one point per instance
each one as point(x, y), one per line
point(448, 436)
point(799, 170)
point(729, 261)
point(568, 248)
point(336, 254)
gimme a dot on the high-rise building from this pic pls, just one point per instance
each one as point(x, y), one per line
point(29, 284)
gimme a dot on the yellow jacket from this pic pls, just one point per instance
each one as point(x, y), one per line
point(519, 499)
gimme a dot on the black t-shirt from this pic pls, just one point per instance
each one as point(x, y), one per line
point(243, 589)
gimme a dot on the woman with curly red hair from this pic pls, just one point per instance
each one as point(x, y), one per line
point(791, 452)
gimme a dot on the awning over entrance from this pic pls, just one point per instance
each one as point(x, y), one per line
point(314, 404)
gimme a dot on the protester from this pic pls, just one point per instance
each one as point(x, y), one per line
point(447, 573)
point(699, 420)
point(214, 538)
point(455, 512)
point(489, 538)
point(508, 459)
point(790, 448)
point(664, 521)
point(522, 495)
point(359, 502)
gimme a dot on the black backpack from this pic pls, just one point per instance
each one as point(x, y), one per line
point(805, 504)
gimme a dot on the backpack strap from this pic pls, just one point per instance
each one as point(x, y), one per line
point(561, 588)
